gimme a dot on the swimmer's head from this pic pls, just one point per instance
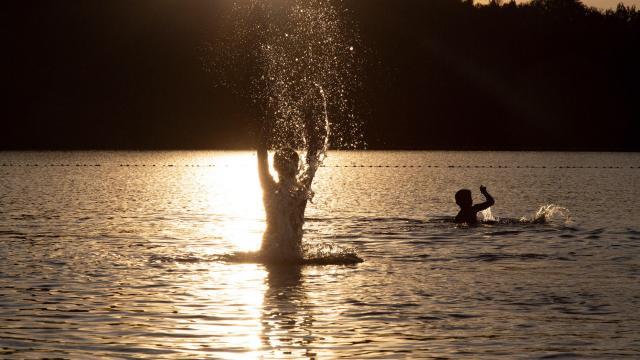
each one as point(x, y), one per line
point(463, 198)
point(286, 162)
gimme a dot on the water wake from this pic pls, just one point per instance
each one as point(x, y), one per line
point(549, 213)
point(325, 253)
point(329, 253)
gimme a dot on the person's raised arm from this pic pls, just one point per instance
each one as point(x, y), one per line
point(266, 180)
point(488, 200)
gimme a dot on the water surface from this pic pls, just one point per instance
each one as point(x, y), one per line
point(113, 254)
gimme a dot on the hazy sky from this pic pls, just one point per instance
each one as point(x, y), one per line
point(597, 3)
point(610, 3)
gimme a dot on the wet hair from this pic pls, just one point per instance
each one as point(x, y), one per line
point(463, 198)
point(286, 161)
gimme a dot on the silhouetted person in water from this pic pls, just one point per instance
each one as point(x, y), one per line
point(468, 211)
point(286, 199)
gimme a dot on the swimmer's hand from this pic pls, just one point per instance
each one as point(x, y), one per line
point(490, 201)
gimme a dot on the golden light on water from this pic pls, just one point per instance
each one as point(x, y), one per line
point(234, 199)
point(238, 332)
point(230, 194)
point(120, 261)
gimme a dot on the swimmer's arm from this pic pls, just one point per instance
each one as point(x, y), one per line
point(266, 180)
point(489, 201)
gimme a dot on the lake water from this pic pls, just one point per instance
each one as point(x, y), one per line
point(113, 254)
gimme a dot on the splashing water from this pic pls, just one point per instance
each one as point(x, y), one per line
point(487, 216)
point(297, 61)
point(307, 45)
point(279, 51)
point(323, 123)
point(329, 253)
point(547, 213)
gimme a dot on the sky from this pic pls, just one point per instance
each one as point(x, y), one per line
point(610, 3)
point(602, 4)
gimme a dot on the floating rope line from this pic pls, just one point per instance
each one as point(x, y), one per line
point(337, 166)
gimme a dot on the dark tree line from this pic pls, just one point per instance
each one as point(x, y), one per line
point(437, 74)
point(549, 74)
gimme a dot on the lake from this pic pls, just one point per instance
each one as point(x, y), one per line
point(115, 254)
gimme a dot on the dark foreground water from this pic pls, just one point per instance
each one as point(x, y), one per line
point(114, 255)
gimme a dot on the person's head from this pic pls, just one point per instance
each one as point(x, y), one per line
point(286, 162)
point(463, 198)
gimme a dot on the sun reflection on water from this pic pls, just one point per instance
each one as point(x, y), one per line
point(248, 310)
point(234, 199)
point(230, 326)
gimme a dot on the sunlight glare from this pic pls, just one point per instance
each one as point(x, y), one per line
point(240, 329)
point(237, 201)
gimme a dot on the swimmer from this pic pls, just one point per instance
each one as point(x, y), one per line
point(468, 211)
point(285, 200)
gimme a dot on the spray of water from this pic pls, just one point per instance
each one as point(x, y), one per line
point(296, 59)
point(548, 213)
point(305, 45)
point(487, 215)
point(329, 253)
point(279, 51)
point(327, 124)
